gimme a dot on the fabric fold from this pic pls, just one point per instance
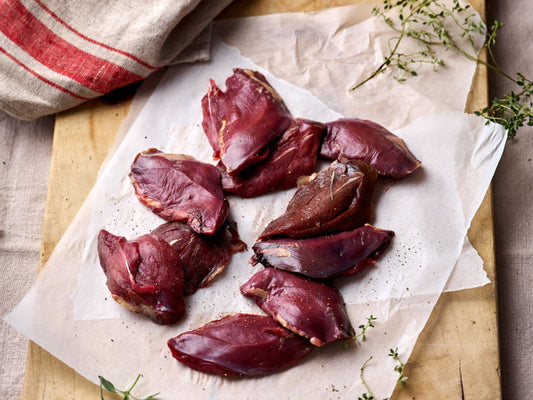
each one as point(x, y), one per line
point(55, 54)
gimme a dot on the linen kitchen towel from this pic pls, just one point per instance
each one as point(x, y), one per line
point(55, 54)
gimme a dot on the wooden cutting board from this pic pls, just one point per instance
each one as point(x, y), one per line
point(455, 357)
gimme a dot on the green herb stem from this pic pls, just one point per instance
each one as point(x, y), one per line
point(110, 387)
point(426, 22)
point(368, 395)
point(399, 367)
point(362, 335)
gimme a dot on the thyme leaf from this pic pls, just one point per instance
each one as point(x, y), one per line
point(361, 336)
point(107, 385)
point(399, 367)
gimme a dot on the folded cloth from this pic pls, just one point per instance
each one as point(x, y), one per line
point(55, 54)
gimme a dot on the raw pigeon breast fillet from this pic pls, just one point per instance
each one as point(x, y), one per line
point(327, 256)
point(202, 257)
point(144, 275)
point(241, 344)
point(358, 139)
point(293, 155)
point(180, 188)
point(241, 122)
point(339, 198)
point(311, 309)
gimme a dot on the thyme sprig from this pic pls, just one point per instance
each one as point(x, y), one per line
point(361, 336)
point(513, 110)
point(106, 384)
point(434, 25)
point(399, 367)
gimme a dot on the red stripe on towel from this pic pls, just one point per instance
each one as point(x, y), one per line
point(32, 36)
point(42, 78)
point(85, 37)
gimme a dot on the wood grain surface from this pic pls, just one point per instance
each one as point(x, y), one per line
point(455, 357)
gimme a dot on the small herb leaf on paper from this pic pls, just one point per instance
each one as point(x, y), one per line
point(361, 335)
point(399, 367)
point(107, 385)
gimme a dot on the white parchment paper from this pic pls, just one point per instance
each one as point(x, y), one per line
point(330, 51)
point(70, 313)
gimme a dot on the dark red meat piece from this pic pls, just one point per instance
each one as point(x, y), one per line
point(358, 139)
point(292, 156)
point(242, 121)
point(202, 257)
point(339, 198)
point(179, 188)
point(144, 275)
point(241, 344)
point(310, 309)
point(325, 256)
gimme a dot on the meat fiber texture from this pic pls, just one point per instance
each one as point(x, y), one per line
point(290, 157)
point(203, 257)
point(337, 199)
point(357, 139)
point(180, 188)
point(240, 344)
point(144, 275)
point(327, 256)
point(429, 210)
point(241, 122)
point(308, 308)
